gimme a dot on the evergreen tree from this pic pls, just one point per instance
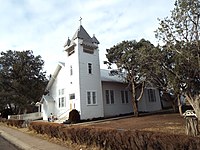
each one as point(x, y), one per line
point(135, 60)
point(22, 79)
point(179, 34)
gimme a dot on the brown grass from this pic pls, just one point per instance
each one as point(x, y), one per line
point(171, 123)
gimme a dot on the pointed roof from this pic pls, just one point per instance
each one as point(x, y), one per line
point(68, 42)
point(81, 33)
point(94, 40)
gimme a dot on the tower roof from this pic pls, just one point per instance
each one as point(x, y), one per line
point(68, 42)
point(81, 33)
point(94, 40)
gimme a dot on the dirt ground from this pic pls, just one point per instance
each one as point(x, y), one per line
point(169, 123)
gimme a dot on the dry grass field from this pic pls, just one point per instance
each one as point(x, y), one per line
point(168, 122)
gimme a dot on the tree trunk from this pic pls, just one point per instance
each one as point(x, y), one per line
point(191, 127)
point(192, 122)
point(179, 105)
point(9, 104)
point(195, 103)
point(173, 107)
point(135, 107)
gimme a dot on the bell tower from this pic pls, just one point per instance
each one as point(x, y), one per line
point(83, 73)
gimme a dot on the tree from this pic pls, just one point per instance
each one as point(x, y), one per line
point(134, 59)
point(22, 79)
point(180, 37)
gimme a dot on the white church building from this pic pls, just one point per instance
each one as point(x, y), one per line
point(79, 83)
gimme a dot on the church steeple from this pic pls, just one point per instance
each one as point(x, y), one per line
point(83, 60)
point(82, 34)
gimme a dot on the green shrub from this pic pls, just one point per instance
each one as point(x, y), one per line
point(74, 116)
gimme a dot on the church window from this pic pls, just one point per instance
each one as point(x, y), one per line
point(151, 95)
point(91, 98)
point(107, 97)
point(71, 71)
point(70, 51)
point(90, 68)
point(110, 97)
point(61, 98)
point(94, 97)
point(72, 96)
point(61, 91)
point(124, 97)
point(62, 102)
point(89, 51)
point(88, 98)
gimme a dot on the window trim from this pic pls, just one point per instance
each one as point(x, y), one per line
point(124, 97)
point(62, 102)
point(72, 96)
point(71, 70)
point(61, 98)
point(88, 51)
point(89, 68)
point(110, 96)
point(70, 51)
point(107, 95)
point(61, 92)
point(151, 95)
point(92, 100)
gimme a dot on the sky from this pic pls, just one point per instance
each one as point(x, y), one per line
point(45, 25)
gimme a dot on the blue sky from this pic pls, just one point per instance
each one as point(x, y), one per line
point(44, 25)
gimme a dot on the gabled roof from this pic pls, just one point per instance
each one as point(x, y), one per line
point(48, 98)
point(45, 98)
point(106, 76)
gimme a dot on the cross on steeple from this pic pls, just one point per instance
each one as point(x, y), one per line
point(80, 20)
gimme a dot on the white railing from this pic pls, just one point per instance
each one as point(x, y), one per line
point(62, 117)
point(29, 116)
